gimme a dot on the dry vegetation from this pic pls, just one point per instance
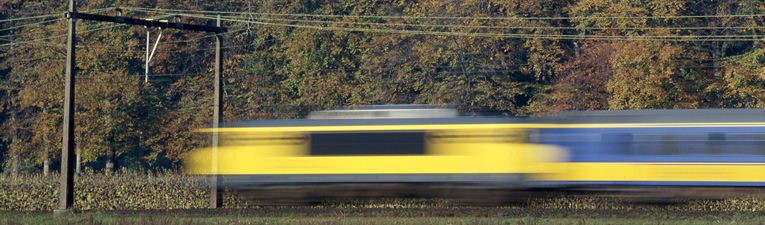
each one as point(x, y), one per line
point(168, 190)
point(98, 191)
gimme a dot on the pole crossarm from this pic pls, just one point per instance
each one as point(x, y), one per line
point(146, 22)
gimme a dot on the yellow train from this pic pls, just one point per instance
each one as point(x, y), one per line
point(379, 146)
point(435, 149)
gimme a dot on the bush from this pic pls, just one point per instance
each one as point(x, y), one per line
point(98, 191)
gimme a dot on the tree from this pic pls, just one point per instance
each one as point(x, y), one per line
point(583, 81)
point(745, 80)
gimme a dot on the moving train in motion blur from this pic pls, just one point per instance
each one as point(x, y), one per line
point(422, 150)
point(683, 147)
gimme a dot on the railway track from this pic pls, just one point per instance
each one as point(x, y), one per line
point(417, 196)
point(507, 212)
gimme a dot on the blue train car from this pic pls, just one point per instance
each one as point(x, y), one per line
point(699, 147)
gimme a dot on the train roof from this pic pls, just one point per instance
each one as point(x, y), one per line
point(386, 112)
point(373, 122)
point(663, 116)
point(375, 115)
point(752, 115)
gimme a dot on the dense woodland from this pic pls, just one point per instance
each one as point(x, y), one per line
point(284, 58)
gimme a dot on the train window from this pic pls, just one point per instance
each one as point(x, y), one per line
point(683, 144)
point(678, 143)
point(687, 143)
point(692, 144)
point(368, 143)
point(244, 139)
point(716, 144)
point(617, 144)
point(656, 143)
point(479, 136)
point(745, 144)
point(649, 144)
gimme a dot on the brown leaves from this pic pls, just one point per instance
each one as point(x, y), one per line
point(97, 191)
point(744, 80)
point(642, 77)
point(582, 85)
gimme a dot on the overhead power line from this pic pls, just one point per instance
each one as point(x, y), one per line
point(474, 26)
point(437, 17)
point(324, 22)
point(408, 28)
point(59, 36)
point(62, 35)
point(740, 37)
point(32, 24)
point(30, 17)
point(51, 15)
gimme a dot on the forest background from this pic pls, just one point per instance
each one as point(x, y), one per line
point(285, 58)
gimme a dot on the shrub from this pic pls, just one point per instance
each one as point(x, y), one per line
point(97, 191)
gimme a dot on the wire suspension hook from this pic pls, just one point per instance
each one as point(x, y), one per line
point(150, 56)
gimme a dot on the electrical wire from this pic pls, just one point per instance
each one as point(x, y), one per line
point(472, 26)
point(49, 15)
point(493, 26)
point(30, 17)
point(37, 32)
point(441, 17)
point(325, 26)
point(31, 24)
point(480, 34)
point(738, 37)
point(746, 37)
point(64, 35)
point(58, 36)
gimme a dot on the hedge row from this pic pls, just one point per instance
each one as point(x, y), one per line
point(120, 191)
point(178, 191)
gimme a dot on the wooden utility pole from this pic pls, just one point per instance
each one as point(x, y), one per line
point(66, 198)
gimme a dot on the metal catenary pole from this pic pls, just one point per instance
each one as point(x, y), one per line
point(215, 194)
point(66, 198)
point(66, 192)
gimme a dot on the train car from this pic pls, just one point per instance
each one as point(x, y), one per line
point(693, 147)
point(379, 146)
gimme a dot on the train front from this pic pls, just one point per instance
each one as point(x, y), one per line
point(424, 152)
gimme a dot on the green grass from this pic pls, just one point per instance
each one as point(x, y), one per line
point(174, 218)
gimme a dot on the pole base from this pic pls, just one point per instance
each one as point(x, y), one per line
point(58, 213)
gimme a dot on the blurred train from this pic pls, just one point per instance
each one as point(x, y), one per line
point(434, 148)
point(426, 146)
point(687, 147)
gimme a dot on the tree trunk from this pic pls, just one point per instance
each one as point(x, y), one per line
point(46, 150)
point(78, 164)
point(14, 165)
point(139, 153)
point(109, 167)
point(109, 161)
point(110, 139)
point(14, 150)
point(46, 162)
point(717, 56)
point(576, 50)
